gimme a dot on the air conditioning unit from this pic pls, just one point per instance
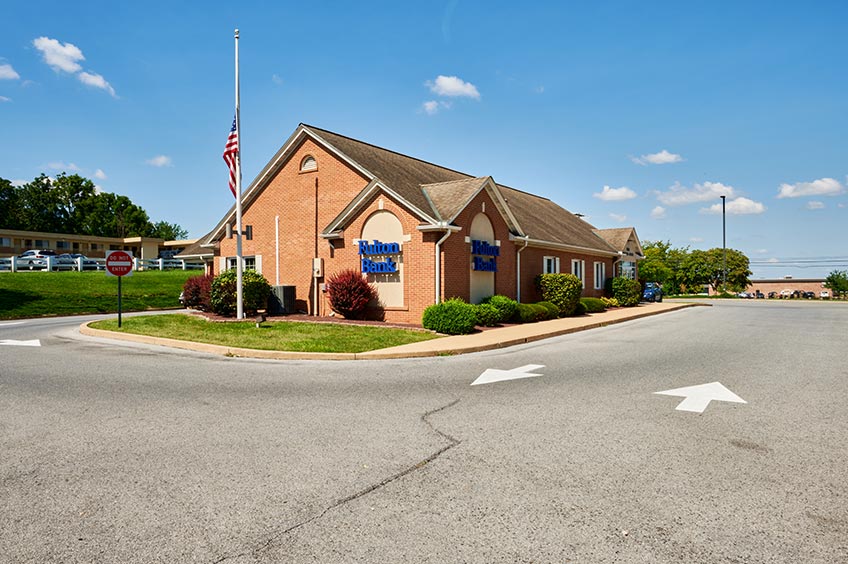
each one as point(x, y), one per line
point(281, 300)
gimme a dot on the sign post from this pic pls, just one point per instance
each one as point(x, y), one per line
point(120, 264)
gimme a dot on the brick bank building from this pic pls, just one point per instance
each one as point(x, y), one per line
point(419, 232)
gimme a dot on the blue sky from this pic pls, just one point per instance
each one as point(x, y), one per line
point(634, 114)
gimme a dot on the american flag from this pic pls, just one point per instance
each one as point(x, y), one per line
point(231, 154)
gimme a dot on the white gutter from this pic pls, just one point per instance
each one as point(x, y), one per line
point(518, 268)
point(449, 230)
point(563, 246)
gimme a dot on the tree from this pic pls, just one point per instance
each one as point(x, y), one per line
point(9, 206)
point(837, 282)
point(706, 267)
point(654, 267)
point(168, 231)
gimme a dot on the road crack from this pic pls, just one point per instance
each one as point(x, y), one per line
point(452, 442)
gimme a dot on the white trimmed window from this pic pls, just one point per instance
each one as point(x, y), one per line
point(308, 164)
point(600, 275)
point(250, 263)
point(550, 265)
point(577, 267)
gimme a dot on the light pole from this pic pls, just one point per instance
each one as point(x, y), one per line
point(723, 248)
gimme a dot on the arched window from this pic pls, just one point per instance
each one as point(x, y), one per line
point(482, 282)
point(308, 164)
point(385, 227)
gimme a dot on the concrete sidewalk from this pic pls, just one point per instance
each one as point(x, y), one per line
point(493, 338)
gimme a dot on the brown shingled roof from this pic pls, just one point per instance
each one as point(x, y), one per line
point(449, 198)
point(616, 237)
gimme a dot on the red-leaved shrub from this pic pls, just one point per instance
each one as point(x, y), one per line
point(349, 293)
point(196, 292)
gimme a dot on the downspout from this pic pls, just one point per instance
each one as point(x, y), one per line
point(438, 284)
point(277, 248)
point(518, 268)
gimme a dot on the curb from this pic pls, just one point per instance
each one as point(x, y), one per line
point(380, 354)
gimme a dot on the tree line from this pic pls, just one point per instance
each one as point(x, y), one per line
point(71, 204)
point(681, 270)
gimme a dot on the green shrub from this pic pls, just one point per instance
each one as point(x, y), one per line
point(579, 310)
point(551, 310)
point(506, 306)
point(561, 289)
point(487, 315)
point(451, 317)
point(610, 302)
point(593, 305)
point(628, 292)
point(255, 292)
point(524, 313)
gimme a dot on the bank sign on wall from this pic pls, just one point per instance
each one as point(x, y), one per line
point(484, 256)
point(377, 248)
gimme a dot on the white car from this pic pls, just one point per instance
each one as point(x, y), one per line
point(824, 294)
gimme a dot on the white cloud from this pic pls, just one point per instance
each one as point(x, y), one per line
point(772, 259)
point(59, 165)
point(276, 79)
point(679, 195)
point(160, 161)
point(696, 239)
point(60, 57)
point(431, 107)
point(618, 217)
point(99, 174)
point(739, 206)
point(96, 80)
point(615, 194)
point(658, 212)
point(453, 86)
point(539, 90)
point(761, 251)
point(840, 205)
point(4, 99)
point(7, 72)
point(814, 205)
point(820, 187)
point(663, 157)
point(17, 183)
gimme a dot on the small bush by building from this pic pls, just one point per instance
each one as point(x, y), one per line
point(564, 290)
point(451, 317)
point(593, 305)
point(488, 315)
point(506, 306)
point(349, 293)
point(255, 292)
point(628, 292)
point(196, 292)
point(551, 309)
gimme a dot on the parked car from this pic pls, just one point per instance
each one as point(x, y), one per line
point(652, 292)
point(808, 295)
point(772, 295)
point(88, 263)
point(36, 259)
point(786, 293)
point(64, 262)
point(743, 295)
point(759, 295)
point(825, 295)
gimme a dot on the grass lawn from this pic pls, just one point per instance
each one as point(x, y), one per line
point(275, 336)
point(40, 294)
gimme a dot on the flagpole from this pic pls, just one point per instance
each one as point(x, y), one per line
point(239, 267)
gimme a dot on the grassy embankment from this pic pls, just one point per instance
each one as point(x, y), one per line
point(274, 336)
point(43, 294)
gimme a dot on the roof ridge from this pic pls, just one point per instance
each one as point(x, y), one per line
point(525, 192)
point(454, 181)
point(388, 150)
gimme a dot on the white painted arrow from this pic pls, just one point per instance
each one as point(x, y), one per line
point(699, 397)
point(33, 343)
point(495, 375)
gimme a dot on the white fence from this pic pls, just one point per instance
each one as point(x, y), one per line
point(52, 264)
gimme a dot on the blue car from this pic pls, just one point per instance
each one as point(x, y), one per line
point(652, 293)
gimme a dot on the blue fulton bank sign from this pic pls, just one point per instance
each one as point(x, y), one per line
point(376, 248)
point(486, 250)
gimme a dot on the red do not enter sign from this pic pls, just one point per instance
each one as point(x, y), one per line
point(119, 263)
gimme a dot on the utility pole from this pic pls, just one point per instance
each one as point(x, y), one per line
point(723, 247)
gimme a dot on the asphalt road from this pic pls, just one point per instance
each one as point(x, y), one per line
point(113, 452)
